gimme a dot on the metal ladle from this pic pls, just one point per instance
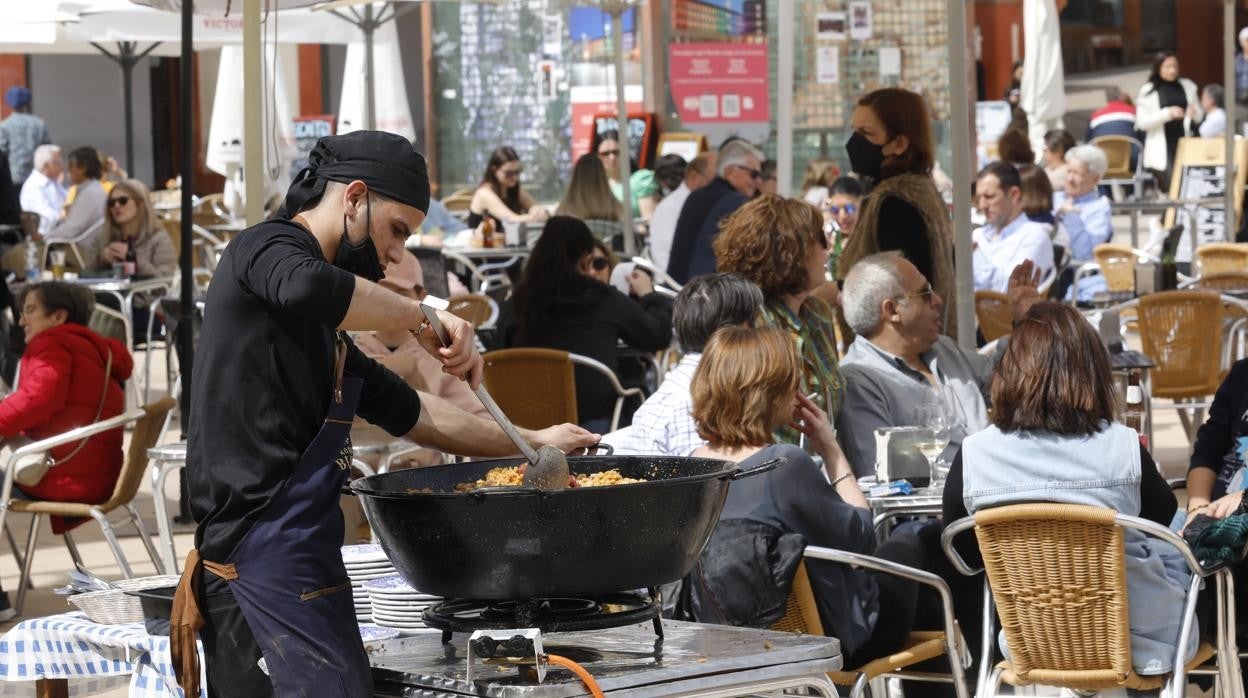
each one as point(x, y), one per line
point(548, 466)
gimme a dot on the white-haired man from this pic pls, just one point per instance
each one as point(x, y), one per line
point(738, 176)
point(42, 192)
point(1083, 213)
point(900, 357)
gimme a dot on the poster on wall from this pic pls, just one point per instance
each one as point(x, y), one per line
point(719, 82)
point(828, 65)
point(830, 26)
point(860, 27)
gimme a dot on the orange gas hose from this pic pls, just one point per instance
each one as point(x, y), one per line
point(580, 672)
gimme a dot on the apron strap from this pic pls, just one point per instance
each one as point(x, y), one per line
point(186, 619)
point(340, 364)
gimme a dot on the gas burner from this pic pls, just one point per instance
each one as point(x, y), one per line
point(559, 614)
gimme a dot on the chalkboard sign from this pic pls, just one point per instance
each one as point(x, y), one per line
point(1200, 173)
point(307, 131)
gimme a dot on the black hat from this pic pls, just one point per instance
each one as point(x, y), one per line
point(386, 162)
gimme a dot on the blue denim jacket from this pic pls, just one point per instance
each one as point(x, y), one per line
point(1098, 470)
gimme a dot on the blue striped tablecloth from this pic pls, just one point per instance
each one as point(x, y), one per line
point(93, 657)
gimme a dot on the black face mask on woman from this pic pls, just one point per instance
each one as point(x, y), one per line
point(865, 157)
point(360, 259)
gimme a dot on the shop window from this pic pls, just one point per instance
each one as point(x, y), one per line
point(1093, 13)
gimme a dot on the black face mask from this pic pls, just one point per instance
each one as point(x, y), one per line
point(865, 157)
point(360, 259)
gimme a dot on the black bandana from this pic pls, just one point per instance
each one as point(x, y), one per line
point(386, 162)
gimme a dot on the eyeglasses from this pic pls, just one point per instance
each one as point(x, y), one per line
point(850, 209)
point(927, 291)
point(754, 174)
point(119, 201)
point(600, 263)
point(511, 171)
point(609, 153)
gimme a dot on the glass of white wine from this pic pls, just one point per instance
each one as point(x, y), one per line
point(932, 438)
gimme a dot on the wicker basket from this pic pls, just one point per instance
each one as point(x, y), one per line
point(115, 606)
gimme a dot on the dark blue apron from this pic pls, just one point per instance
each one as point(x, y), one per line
point(292, 586)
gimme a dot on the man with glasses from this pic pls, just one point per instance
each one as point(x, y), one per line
point(739, 177)
point(698, 173)
point(900, 353)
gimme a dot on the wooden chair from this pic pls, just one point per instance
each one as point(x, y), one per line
point(534, 387)
point(801, 615)
point(477, 308)
point(1182, 332)
point(1219, 257)
point(1117, 264)
point(148, 422)
point(1057, 573)
point(992, 310)
point(537, 387)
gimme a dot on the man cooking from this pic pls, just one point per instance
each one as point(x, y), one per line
point(276, 385)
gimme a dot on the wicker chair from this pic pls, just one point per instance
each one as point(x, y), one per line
point(459, 201)
point(537, 387)
point(1063, 604)
point(477, 308)
point(992, 310)
point(1182, 332)
point(1117, 263)
point(148, 422)
point(801, 615)
point(1119, 150)
point(1219, 257)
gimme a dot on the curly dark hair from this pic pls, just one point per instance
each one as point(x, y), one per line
point(768, 240)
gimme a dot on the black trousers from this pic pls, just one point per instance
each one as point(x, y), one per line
point(230, 650)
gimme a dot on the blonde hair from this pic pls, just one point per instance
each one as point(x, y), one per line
point(148, 222)
point(589, 196)
point(745, 385)
point(820, 172)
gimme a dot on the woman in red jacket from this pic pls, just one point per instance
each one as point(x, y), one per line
point(62, 384)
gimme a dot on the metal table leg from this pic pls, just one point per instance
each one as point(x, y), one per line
point(160, 470)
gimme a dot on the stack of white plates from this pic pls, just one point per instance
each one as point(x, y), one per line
point(397, 605)
point(370, 633)
point(364, 562)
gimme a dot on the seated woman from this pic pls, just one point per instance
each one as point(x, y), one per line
point(130, 222)
point(779, 244)
point(559, 304)
point(69, 377)
point(1053, 438)
point(589, 198)
point(746, 385)
point(499, 195)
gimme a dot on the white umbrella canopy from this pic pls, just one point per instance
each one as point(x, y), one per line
point(1043, 90)
point(223, 7)
point(392, 112)
point(123, 20)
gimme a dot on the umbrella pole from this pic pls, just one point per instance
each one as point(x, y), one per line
point(960, 126)
point(368, 26)
point(1229, 35)
point(253, 113)
point(186, 346)
point(784, 101)
point(621, 109)
point(126, 58)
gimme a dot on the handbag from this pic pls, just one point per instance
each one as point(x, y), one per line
point(30, 469)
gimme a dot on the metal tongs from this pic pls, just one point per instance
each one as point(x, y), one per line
point(548, 467)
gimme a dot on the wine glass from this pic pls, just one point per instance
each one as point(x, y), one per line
point(932, 438)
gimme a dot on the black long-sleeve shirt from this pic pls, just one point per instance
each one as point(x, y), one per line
point(901, 227)
point(1222, 441)
point(688, 241)
point(263, 378)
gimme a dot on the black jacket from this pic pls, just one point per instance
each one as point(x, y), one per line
point(696, 228)
point(1222, 440)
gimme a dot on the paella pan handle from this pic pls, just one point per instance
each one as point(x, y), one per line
point(600, 449)
point(758, 469)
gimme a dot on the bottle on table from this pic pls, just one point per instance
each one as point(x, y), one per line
point(1133, 413)
point(487, 232)
point(1168, 270)
point(130, 265)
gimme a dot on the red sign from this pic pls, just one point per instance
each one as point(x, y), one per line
point(583, 123)
point(719, 82)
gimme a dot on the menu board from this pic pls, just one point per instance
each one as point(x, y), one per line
point(1200, 173)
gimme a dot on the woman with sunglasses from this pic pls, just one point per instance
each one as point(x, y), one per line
point(779, 244)
point(644, 187)
point(499, 195)
point(560, 304)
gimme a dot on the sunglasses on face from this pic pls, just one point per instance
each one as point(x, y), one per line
point(754, 174)
point(608, 153)
point(850, 209)
point(600, 263)
point(118, 201)
point(511, 172)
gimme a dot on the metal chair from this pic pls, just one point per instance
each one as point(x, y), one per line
point(1119, 151)
point(73, 244)
point(483, 277)
point(147, 422)
point(1182, 332)
point(1057, 575)
point(537, 387)
point(801, 615)
point(1117, 265)
point(992, 310)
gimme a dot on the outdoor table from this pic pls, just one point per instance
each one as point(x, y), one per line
point(1135, 208)
point(922, 502)
point(67, 652)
